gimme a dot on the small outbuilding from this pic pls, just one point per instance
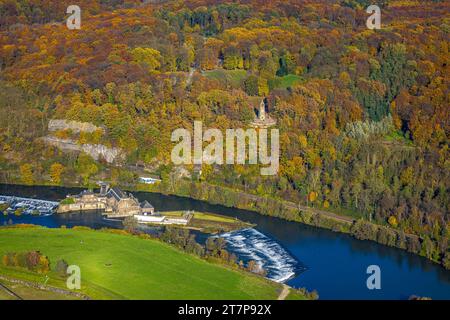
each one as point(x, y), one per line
point(147, 208)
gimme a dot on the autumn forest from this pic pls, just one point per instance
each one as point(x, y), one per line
point(364, 115)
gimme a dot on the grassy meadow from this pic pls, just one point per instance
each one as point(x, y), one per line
point(234, 78)
point(115, 266)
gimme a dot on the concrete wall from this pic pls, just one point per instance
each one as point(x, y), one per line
point(64, 208)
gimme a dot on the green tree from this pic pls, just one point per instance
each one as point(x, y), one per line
point(86, 167)
point(287, 65)
point(251, 85)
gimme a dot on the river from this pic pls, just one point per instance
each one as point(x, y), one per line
point(302, 256)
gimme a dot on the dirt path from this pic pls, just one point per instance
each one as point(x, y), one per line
point(284, 293)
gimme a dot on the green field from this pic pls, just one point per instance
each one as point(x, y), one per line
point(209, 222)
point(285, 81)
point(234, 78)
point(115, 266)
point(200, 215)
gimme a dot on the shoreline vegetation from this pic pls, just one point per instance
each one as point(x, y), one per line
point(158, 267)
point(358, 228)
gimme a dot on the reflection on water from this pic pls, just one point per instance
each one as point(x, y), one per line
point(336, 263)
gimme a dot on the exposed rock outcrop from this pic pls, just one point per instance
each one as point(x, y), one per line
point(96, 151)
point(74, 126)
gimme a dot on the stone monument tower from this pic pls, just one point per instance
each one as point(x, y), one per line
point(262, 111)
point(262, 118)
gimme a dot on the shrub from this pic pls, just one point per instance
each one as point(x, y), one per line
point(32, 260)
point(61, 267)
point(20, 225)
point(81, 228)
point(251, 85)
point(393, 221)
point(68, 201)
point(130, 224)
point(44, 265)
point(363, 230)
point(145, 236)
point(114, 231)
point(20, 260)
point(8, 259)
point(446, 261)
point(4, 207)
point(412, 244)
point(18, 212)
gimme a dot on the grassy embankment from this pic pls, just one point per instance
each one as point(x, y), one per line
point(115, 266)
point(210, 222)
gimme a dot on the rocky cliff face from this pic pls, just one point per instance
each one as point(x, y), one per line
point(74, 126)
point(96, 151)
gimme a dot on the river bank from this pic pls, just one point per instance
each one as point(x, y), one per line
point(361, 229)
point(277, 264)
point(153, 270)
point(332, 263)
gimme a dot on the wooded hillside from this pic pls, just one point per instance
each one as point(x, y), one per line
point(363, 114)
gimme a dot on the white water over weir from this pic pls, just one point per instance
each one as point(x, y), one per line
point(250, 244)
point(28, 205)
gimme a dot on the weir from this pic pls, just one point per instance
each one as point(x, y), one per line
point(250, 244)
point(28, 205)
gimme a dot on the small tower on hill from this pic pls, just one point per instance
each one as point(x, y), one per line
point(262, 111)
point(262, 117)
